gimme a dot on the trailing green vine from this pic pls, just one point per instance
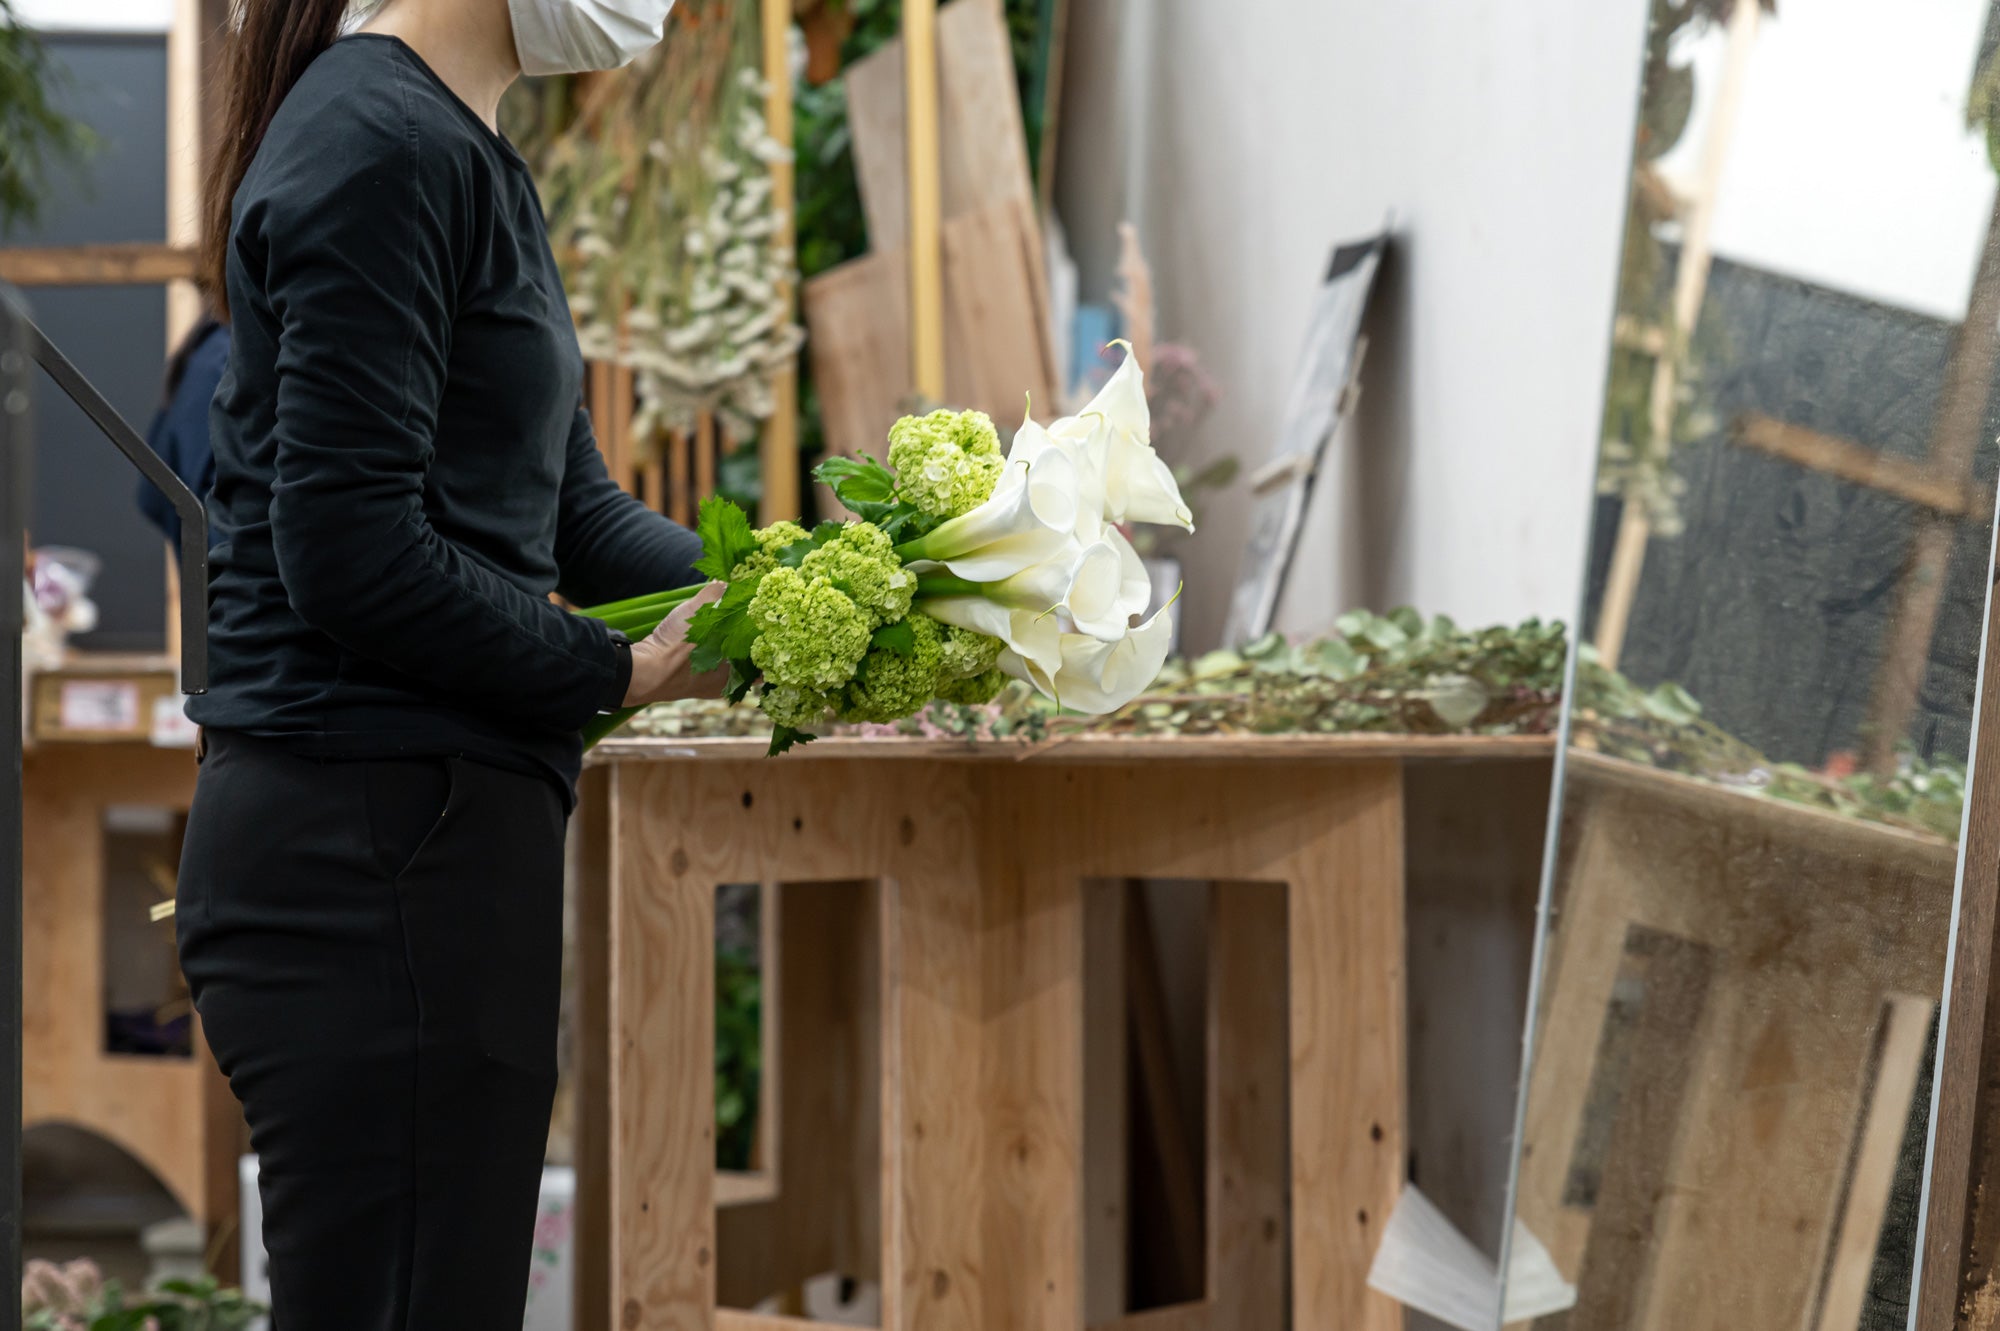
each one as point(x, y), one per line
point(1403, 674)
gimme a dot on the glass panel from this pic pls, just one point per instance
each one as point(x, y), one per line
point(1746, 918)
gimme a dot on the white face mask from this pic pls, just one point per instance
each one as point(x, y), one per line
point(579, 36)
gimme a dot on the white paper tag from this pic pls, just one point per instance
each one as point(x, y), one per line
point(99, 705)
point(171, 727)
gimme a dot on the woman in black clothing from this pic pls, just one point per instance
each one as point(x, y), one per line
point(370, 896)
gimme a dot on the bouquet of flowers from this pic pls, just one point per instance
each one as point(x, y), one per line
point(963, 569)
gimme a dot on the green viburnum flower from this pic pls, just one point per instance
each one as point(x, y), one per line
point(974, 690)
point(801, 709)
point(967, 653)
point(946, 463)
point(810, 634)
point(891, 685)
point(861, 561)
point(771, 542)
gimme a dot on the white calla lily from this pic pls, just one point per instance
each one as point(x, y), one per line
point(1118, 425)
point(1095, 676)
point(1031, 517)
point(1030, 636)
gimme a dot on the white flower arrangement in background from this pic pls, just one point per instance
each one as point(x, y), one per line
point(662, 215)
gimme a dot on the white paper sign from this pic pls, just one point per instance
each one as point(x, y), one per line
point(99, 704)
point(171, 727)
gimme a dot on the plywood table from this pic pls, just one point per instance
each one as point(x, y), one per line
point(963, 878)
point(1734, 1031)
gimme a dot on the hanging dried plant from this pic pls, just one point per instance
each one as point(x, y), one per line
point(661, 210)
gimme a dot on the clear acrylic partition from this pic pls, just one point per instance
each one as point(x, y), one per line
point(1749, 893)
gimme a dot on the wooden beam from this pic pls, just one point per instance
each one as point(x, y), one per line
point(1914, 481)
point(184, 156)
point(96, 265)
point(926, 199)
point(1957, 1264)
point(1635, 529)
point(1179, 1317)
point(1906, 1024)
point(778, 440)
point(1956, 428)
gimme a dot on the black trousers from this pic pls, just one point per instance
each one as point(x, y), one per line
point(375, 952)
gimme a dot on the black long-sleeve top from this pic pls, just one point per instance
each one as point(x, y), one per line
point(403, 469)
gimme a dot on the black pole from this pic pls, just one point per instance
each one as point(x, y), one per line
point(23, 345)
point(14, 371)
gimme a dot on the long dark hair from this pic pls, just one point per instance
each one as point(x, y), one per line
point(271, 45)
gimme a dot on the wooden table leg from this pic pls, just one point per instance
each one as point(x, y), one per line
point(933, 1124)
point(1348, 1042)
point(661, 1015)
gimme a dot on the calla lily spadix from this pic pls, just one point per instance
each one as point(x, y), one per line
point(1031, 517)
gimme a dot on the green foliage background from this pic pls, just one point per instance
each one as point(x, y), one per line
point(35, 138)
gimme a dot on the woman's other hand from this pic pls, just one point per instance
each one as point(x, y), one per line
point(660, 665)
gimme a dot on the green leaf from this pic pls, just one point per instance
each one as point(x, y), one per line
point(898, 637)
point(1339, 660)
point(857, 480)
point(742, 674)
point(726, 539)
point(722, 630)
point(785, 738)
point(1384, 633)
point(795, 554)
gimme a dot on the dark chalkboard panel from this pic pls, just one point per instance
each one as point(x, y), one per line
point(83, 491)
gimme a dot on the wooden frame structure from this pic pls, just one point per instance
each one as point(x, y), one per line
point(975, 888)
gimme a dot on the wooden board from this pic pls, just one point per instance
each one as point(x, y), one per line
point(1089, 749)
point(1961, 1258)
point(107, 701)
point(96, 265)
point(983, 158)
point(997, 352)
point(805, 828)
point(1879, 1144)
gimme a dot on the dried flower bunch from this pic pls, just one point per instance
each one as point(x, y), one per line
point(662, 214)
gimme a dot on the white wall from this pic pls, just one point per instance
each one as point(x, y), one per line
point(97, 15)
point(1247, 139)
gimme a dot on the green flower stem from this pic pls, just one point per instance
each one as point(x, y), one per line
point(636, 619)
point(605, 724)
point(669, 599)
point(933, 585)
